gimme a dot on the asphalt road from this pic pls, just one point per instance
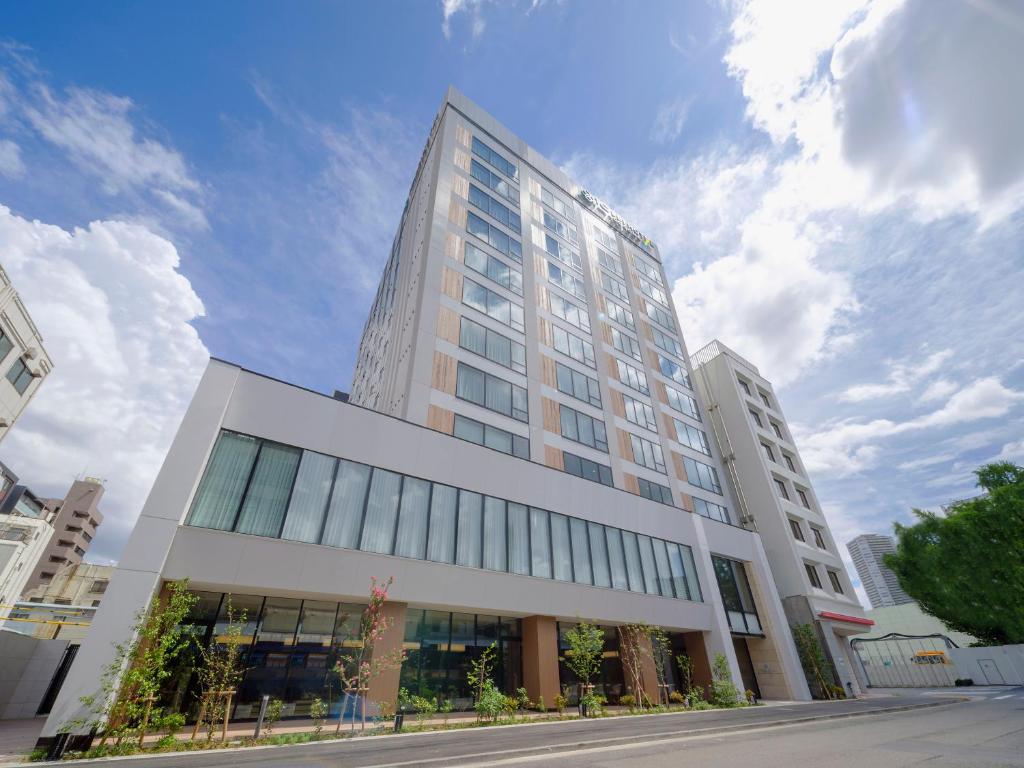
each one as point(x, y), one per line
point(877, 732)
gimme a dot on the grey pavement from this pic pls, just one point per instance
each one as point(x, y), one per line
point(984, 728)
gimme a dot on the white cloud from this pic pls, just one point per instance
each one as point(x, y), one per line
point(902, 376)
point(847, 447)
point(938, 390)
point(1012, 451)
point(927, 461)
point(450, 8)
point(115, 315)
point(11, 164)
point(670, 120)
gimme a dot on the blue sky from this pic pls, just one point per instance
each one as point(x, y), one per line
point(836, 189)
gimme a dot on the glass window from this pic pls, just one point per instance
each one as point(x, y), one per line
point(682, 403)
point(582, 428)
point(632, 377)
point(626, 344)
point(673, 370)
point(599, 555)
point(381, 512)
point(573, 346)
point(710, 510)
point(308, 504)
point(620, 314)
point(798, 532)
point(614, 287)
point(494, 269)
point(495, 525)
point(789, 462)
point(647, 454)
point(647, 562)
point(345, 513)
point(441, 542)
point(518, 539)
point(701, 475)
point(267, 496)
point(812, 575)
point(675, 561)
point(559, 206)
point(778, 431)
point(765, 400)
point(540, 543)
point(665, 583)
point(572, 314)
point(633, 569)
point(655, 492)
point(562, 253)
point(639, 413)
point(227, 473)
point(494, 237)
point(491, 392)
point(561, 549)
point(837, 585)
point(756, 417)
point(587, 469)
point(652, 291)
point(660, 316)
point(781, 487)
point(495, 182)
point(648, 270)
point(20, 376)
point(491, 437)
point(579, 385)
point(819, 540)
point(616, 558)
point(566, 281)
point(470, 529)
point(6, 345)
point(580, 551)
point(692, 437)
point(803, 498)
point(497, 161)
point(411, 535)
point(610, 262)
point(496, 210)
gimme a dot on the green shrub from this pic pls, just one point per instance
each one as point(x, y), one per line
point(318, 710)
point(561, 702)
point(628, 700)
point(723, 691)
point(491, 702)
point(676, 697)
point(541, 706)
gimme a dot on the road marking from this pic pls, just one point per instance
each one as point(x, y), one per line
point(1007, 696)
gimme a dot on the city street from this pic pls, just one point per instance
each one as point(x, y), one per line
point(987, 729)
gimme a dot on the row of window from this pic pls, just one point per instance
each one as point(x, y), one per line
point(614, 287)
point(560, 228)
point(610, 263)
point(776, 428)
point(495, 269)
point(783, 490)
point(660, 316)
point(639, 413)
point(692, 437)
point(560, 207)
point(492, 345)
point(632, 377)
point(655, 491)
point(764, 396)
point(647, 454)
point(702, 475)
point(491, 437)
point(653, 292)
point(833, 577)
point(620, 314)
point(667, 343)
point(626, 344)
point(649, 271)
point(578, 385)
point(494, 209)
point(263, 488)
point(604, 237)
point(711, 510)
point(494, 182)
point(492, 304)
point(672, 370)
point(683, 403)
point(491, 392)
point(567, 281)
point(573, 346)
point(494, 237)
point(562, 253)
point(798, 533)
point(770, 454)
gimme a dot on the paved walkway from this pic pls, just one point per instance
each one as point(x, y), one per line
point(18, 737)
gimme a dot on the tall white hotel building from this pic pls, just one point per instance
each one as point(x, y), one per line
point(523, 447)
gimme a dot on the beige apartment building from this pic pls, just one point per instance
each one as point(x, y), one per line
point(24, 363)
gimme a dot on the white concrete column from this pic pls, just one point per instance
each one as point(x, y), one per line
point(137, 576)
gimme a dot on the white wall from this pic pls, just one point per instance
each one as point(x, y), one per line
point(994, 665)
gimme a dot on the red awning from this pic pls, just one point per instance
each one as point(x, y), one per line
point(844, 617)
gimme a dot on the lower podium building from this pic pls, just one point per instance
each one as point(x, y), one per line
point(290, 501)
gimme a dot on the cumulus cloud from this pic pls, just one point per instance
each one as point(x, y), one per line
point(901, 378)
point(847, 446)
point(115, 314)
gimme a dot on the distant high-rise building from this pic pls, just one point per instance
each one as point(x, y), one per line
point(880, 583)
point(24, 362)
point(75, 522)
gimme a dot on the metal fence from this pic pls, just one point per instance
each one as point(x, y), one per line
point(907, 661)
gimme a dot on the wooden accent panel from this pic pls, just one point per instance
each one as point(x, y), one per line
point(552, 421)
point(670, 430)
point(451, 283)
point(601, 306)
point(625, 447)
point(647, 330)
point(548, 373)
point(460, 186)
point(540, 658)
point(457, 214)
point(631, 483)
point(441, 419)
point(453, 247)
point(618, 404)
point(662, 394)
point(543, 300)
point(687, 501)
point(462, 160)
point(544, 328)
point(677, 461)
point(462, 135)
point(444, 373)
point(448, 325)
point(539, 266)
point(553, 458)
point(606, 334)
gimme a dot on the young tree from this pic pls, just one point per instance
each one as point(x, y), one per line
point(723, 691)
point(220, 671)
point(966, 567)
point(817, 668)
point(583, 657)
point(634, 649)
point(355, 670)
point(479, 675)
point(130, 687)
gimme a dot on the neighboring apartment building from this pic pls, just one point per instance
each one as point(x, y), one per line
point(778, 501)
point(25, 532)
point(75, 521)
point(550, 461)
point(880, 583)
point(24, 362)
point(64, 606)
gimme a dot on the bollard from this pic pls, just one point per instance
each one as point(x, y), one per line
point(399, 719)
point(263, 713)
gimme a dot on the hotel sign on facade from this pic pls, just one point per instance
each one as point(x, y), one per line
point(615, 221)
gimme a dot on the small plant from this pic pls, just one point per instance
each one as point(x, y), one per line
point(491, 702)
point(561, 702)
point(318, 710)
point(480, 671)
point(593, 703)
point(274, 707)
point(523, 699)
point(445, 707)
point(751, 696)
point(837, 692)
point(628, 700)
point(541, 706)
point(676, 698)
point(723, 692)
point(510, 707)
point(425, 708)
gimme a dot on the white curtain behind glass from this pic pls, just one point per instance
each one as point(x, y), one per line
point(346, 510)
point(223, 483)
point(470, 529)
point(518, 539)
point(309, 498)
point(441, 544)
point(381, 512)
point(495, 550)
point(265, 500)
point(411, 539)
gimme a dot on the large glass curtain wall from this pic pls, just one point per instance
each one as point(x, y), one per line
point(264, 488)
point(440, 647)
point(736, 596)
point(289, 649)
